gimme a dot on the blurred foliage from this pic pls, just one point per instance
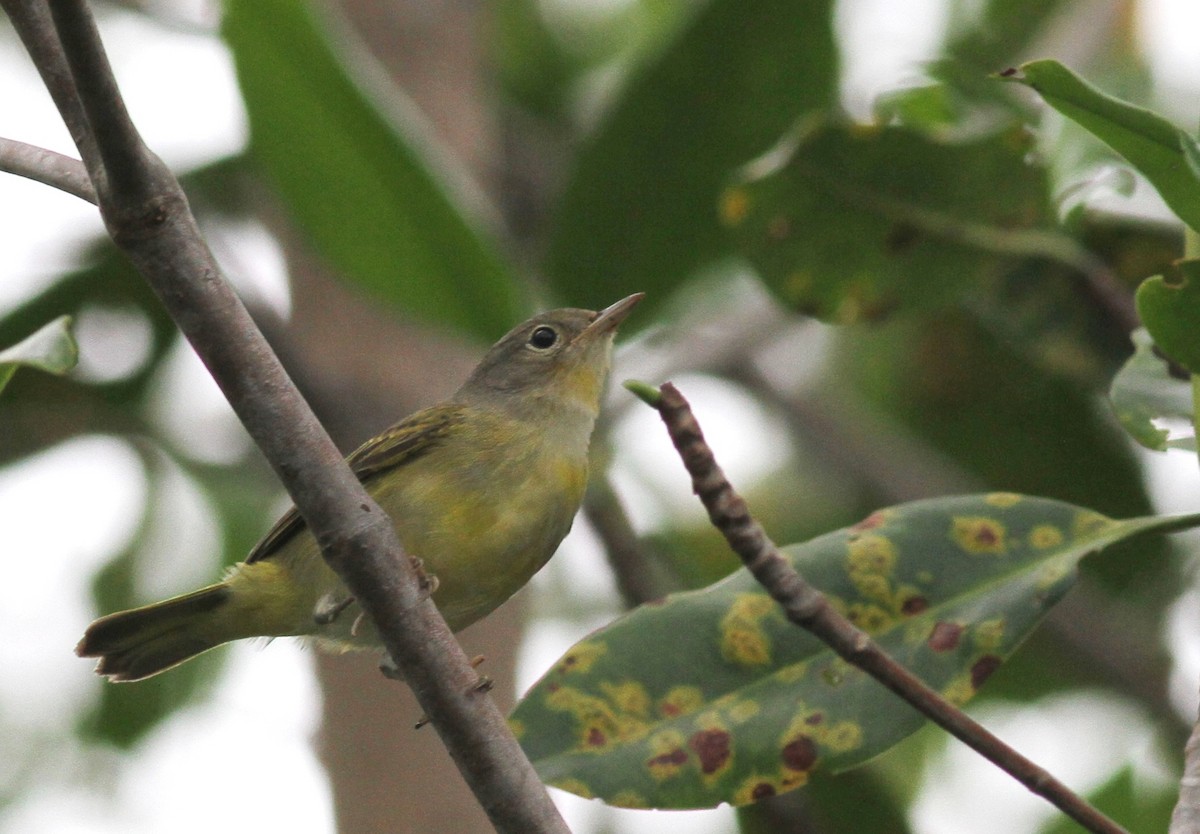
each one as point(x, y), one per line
point(994, 298)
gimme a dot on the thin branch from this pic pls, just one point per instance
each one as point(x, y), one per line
point(32, 22)
point(45, 166)
point(148, 217)
point(635, 574)
point(808, 608)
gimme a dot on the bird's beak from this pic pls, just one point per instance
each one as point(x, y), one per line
point(610, 317)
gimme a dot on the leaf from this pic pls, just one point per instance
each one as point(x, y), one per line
point(712, 696)
point(358, 179)
point(638, 213)
point(1169, 305)
point(1151, 144)
point(51, 348)
point(1144, 393)
point(859, 222)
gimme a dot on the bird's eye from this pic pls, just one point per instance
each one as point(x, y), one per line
point(543, 337)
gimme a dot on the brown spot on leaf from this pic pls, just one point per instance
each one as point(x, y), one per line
point(872, 521)
point(982, 669)
point(945, 636)
point(669, 709)
point(712, 748)
point(596, 737)
point(815, 719)
point(762, 790)
point(672, 757)
point(914, 605)
point(799, 754)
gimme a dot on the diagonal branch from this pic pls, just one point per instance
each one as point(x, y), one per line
point(148, 217)
point(808, 608)
point(46, 166)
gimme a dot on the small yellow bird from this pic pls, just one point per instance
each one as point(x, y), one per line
point(482, 489)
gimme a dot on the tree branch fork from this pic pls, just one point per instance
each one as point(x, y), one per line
point(147, 214)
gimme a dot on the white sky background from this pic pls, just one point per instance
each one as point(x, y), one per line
point(88, 493)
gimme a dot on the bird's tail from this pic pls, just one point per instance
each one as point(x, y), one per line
point(136, 644)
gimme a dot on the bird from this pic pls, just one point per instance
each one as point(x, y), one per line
point(482, 488)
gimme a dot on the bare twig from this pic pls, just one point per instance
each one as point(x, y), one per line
point(47, 167)
point(807, 607)
point(148, 217)
point(31, 20)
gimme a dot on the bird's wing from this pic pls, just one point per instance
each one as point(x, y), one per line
point(406, 441)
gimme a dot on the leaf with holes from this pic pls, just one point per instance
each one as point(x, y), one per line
point(51, 348)
point(713, 696)
point(858, 222)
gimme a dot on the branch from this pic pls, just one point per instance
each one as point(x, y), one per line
point(31, 20)
point(45, 166)
point(636, 576)
point(148, 217)
point(808, 608)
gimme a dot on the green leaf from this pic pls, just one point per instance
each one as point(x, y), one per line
point(639, 210)
point(712, 696)
point(1151, 144)
point(859, 222)
point(1144, 391)
point(358, 178)
point(1170, 308)
point(51, 348)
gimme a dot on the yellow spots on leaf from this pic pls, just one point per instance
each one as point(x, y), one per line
point(735, 206)
point(843, 736)
point(680, 700)
point(837, 736)
point(629, 799)
point(1003, 500)
point(742, 711)
point(582, 657)
point(668, 755)
point(869, 617)
point(753, 788)
point(628, 697)
point(1045, 536)
point(1088, 523)
point(871, 553)
point(745, 646)
point(575, 786)
point(743, 640)
point(599, 726)
point(752, 606)
point(959, 690)
point(979, 534)
point(989, 635)
point(1054, 571)
point(792, 673)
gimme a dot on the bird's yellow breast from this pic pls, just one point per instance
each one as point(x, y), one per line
point(485, 511)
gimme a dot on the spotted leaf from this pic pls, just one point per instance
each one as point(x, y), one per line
point(713, 696)
point(860, 221)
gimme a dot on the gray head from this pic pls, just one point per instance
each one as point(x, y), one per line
point(557, 355)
